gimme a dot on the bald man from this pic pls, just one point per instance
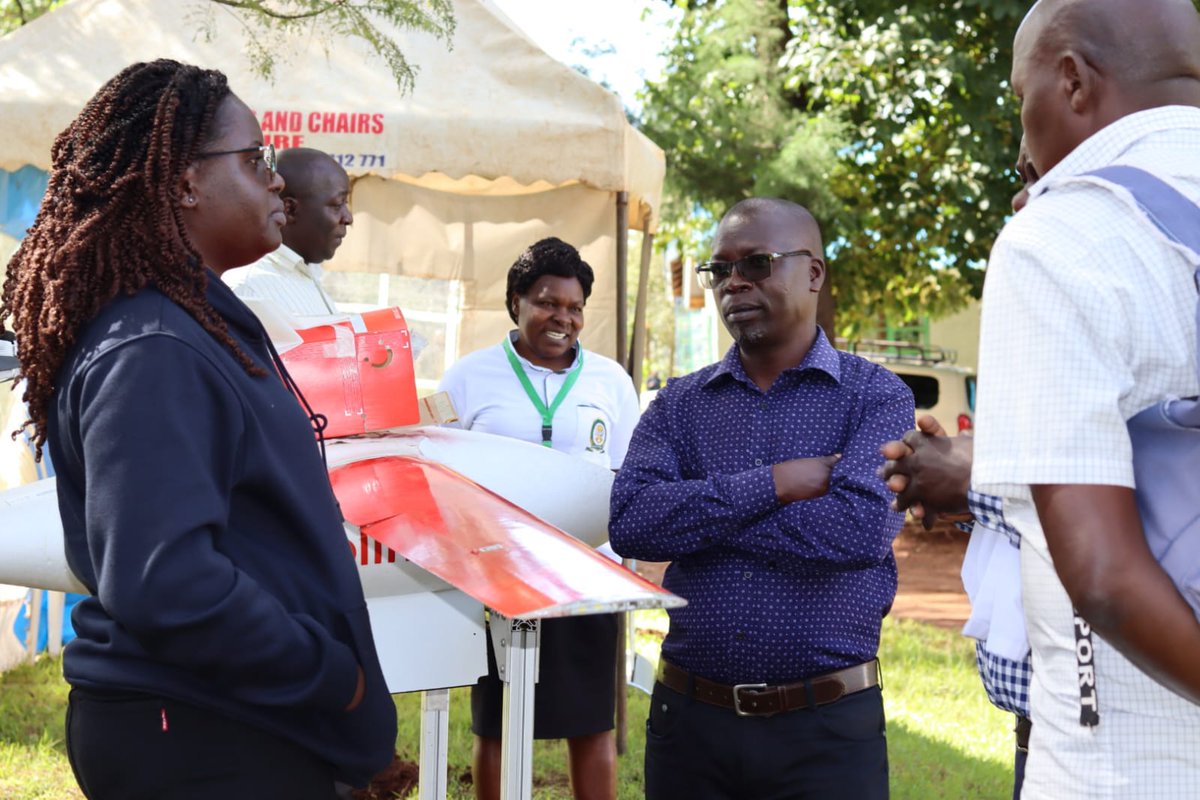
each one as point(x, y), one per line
point(931, 475)
point(316, 198)
point(1088, 318)
point(756, 477)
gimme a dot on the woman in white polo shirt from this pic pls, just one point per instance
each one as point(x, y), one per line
point(541, 386)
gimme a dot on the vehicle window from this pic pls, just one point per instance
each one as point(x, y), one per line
point(924, 389)
point(971, 392)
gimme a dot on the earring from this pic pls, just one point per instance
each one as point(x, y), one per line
point(190, 200)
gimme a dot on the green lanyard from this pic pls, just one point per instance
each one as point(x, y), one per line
point(547, 413)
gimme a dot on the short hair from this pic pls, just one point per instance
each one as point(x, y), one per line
point(297, 165)
point(1134, 42)
point(794, 215)
point(550, 256)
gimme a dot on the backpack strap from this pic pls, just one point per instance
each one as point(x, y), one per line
point(1164, 205)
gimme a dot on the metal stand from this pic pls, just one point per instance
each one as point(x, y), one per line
point(55, 604)
point(516, 644)
point(35, 623)
point(621, 677)
point(435, 742)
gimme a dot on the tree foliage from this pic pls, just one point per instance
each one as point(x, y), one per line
point(15, 13)
point(892, 122)
point(268, 23)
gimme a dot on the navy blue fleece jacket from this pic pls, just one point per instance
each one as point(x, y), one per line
point(198, 511)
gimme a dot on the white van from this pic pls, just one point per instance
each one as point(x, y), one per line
point(939, 386)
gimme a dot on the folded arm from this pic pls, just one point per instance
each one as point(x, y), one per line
point(659, 514)
point(850, 526)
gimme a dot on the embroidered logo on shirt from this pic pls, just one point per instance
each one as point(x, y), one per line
point(598, 437)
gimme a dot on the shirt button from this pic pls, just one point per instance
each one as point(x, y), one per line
point(758, 462)
point(740, 635)
point(747, 575)
point(763, 405)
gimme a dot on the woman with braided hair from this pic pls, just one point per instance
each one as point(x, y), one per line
point(225, 650)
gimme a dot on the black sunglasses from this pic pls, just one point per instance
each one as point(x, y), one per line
point(267, 151)
point(753, 268)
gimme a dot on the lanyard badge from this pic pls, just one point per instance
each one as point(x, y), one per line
point(547, 413)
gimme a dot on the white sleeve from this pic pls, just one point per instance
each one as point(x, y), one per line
point(1053, 363)
point(453, 383)
point(627, 413)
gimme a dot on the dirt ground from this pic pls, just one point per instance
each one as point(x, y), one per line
point(930, 588)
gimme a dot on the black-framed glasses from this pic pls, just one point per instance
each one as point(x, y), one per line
point(753, 268)
point(267, 151)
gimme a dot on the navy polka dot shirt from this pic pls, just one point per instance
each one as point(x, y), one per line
point(776, 592)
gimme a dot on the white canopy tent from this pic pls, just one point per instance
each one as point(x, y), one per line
point(499, 144)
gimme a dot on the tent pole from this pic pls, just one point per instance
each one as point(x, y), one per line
point(637, 350)
point(622, 275)
point(637, 344)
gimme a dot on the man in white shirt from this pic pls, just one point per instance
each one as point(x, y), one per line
point(1089, 317)
point(316, 200)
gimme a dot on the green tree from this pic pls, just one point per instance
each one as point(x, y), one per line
point(15, 13)
point(267, 23)
point(892, 122)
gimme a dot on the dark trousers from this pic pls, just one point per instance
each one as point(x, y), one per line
point(697, 751)
point(132, 746)
point(1024, 726)
point(1019, 772)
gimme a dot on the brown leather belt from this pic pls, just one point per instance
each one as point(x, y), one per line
point(1023, 729)
point(762, 700)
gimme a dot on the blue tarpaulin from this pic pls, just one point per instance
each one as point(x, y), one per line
point(21, 626)
point(21, 194)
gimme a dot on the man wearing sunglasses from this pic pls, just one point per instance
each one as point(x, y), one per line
point(756, 477)
point(316, 198)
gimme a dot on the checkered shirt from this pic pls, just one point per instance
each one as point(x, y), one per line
point(1005, 681)
point(988, 510)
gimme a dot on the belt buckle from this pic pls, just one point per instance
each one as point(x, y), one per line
point(737, 698)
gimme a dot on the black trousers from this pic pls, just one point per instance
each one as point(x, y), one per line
point(697, 751)
point(1024, 726)
point(576, 690)
point(133, 746)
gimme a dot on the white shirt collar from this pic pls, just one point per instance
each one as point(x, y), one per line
point(514, 334)
point(285, 258)
point(1108, 144)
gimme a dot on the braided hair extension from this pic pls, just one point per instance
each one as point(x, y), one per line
point(111, 223)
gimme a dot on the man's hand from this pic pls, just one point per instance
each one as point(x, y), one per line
point(929, 471)
point(803, 478)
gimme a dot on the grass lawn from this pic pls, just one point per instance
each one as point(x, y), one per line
point(944, 739)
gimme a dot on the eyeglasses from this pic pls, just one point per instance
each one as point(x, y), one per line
point(267, 151)
point(753, 268)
